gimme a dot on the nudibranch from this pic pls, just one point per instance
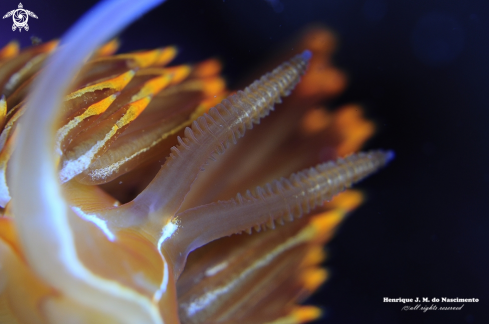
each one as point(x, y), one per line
point(92, 232)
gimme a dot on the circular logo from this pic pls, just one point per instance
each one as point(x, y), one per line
point(20, 17)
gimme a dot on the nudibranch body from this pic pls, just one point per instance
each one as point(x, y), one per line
point(95, 231)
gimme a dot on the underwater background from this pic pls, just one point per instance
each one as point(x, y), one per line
point(420, 69)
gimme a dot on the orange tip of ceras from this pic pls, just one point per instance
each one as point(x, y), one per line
point(117, 84)
point(210, 67)
point(49, 46)
point(213, 86)
point(299, 315)
point(108, 48)
point(319, 40)
point(9, 50)
point(179, 73)
point(135, 109)
point(312, 278)
point(347, 200)
point(155, 85)
point(143, 59)
point(306, 314)
point(315, 121)
point(314, 256)
point(167, 54)
point(325, 223)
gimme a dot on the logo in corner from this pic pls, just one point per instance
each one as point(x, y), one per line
point(20, 17)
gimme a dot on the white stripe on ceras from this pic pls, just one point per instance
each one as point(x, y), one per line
point(212, 271)
point(72, 168)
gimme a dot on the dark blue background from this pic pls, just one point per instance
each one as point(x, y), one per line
point(420, 69)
